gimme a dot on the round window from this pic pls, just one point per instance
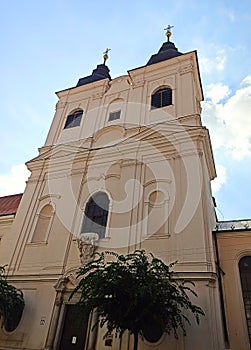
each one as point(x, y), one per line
point(152, 332)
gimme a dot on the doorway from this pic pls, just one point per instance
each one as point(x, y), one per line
point(74, 332)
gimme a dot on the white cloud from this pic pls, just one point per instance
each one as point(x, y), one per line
point(215, 63)
point(220, 179)
point(14, 182)
point(246, 81)
point(217, 92)
point(229, 122)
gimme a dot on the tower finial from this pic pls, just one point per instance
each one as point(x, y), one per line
point(105, 57)
point(168, 31)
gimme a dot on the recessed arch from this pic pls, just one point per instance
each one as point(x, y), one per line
point(157, 197)
point(43, 224)
point(156, 211)
point(116, 100)
point(115, 109)
point(109, 135)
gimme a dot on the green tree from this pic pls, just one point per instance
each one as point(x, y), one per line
point(11, 303)
point(135, 292)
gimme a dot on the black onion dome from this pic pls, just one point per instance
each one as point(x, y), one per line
point(101, 72)
point(167, 51)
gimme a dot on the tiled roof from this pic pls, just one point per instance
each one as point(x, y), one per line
point(9, 204)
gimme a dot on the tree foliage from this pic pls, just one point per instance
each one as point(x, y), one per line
point(136, 292)
point(11, 302)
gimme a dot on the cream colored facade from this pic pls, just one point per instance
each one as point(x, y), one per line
point(155, 165)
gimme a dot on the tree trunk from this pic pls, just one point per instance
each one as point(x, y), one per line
point(136, 338)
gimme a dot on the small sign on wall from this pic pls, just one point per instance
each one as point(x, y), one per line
point(74, 340)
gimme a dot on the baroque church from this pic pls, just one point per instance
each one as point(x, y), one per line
point(126, 165)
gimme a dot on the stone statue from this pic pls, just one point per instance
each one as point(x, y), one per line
point(86, 246)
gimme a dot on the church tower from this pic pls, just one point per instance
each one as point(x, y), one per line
point(126, 165)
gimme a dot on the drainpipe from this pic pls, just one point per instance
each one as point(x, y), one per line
point(220, 272)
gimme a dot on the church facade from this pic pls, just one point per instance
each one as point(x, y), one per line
point(126, 165)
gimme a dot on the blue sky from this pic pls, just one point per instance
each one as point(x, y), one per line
point(48, 45)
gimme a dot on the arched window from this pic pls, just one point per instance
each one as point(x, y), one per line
point(96, 214)
point(43, 225)
point(161, 98)
point(73, 119)
point(245, 275)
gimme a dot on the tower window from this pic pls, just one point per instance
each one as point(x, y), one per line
point(96, 213)
point(114, 115)
point(161, 98)
point(73, 119)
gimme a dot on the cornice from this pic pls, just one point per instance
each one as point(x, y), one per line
point(7, 219)
point(102, 84)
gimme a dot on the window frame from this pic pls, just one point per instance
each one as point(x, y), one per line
point(115, 113)
point(74, 119)
point(90, 226)
point(162, 101)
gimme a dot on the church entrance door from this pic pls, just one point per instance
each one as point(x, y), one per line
point(74, 330)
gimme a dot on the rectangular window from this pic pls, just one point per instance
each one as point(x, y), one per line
point(73, 120)
point(114, 116)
